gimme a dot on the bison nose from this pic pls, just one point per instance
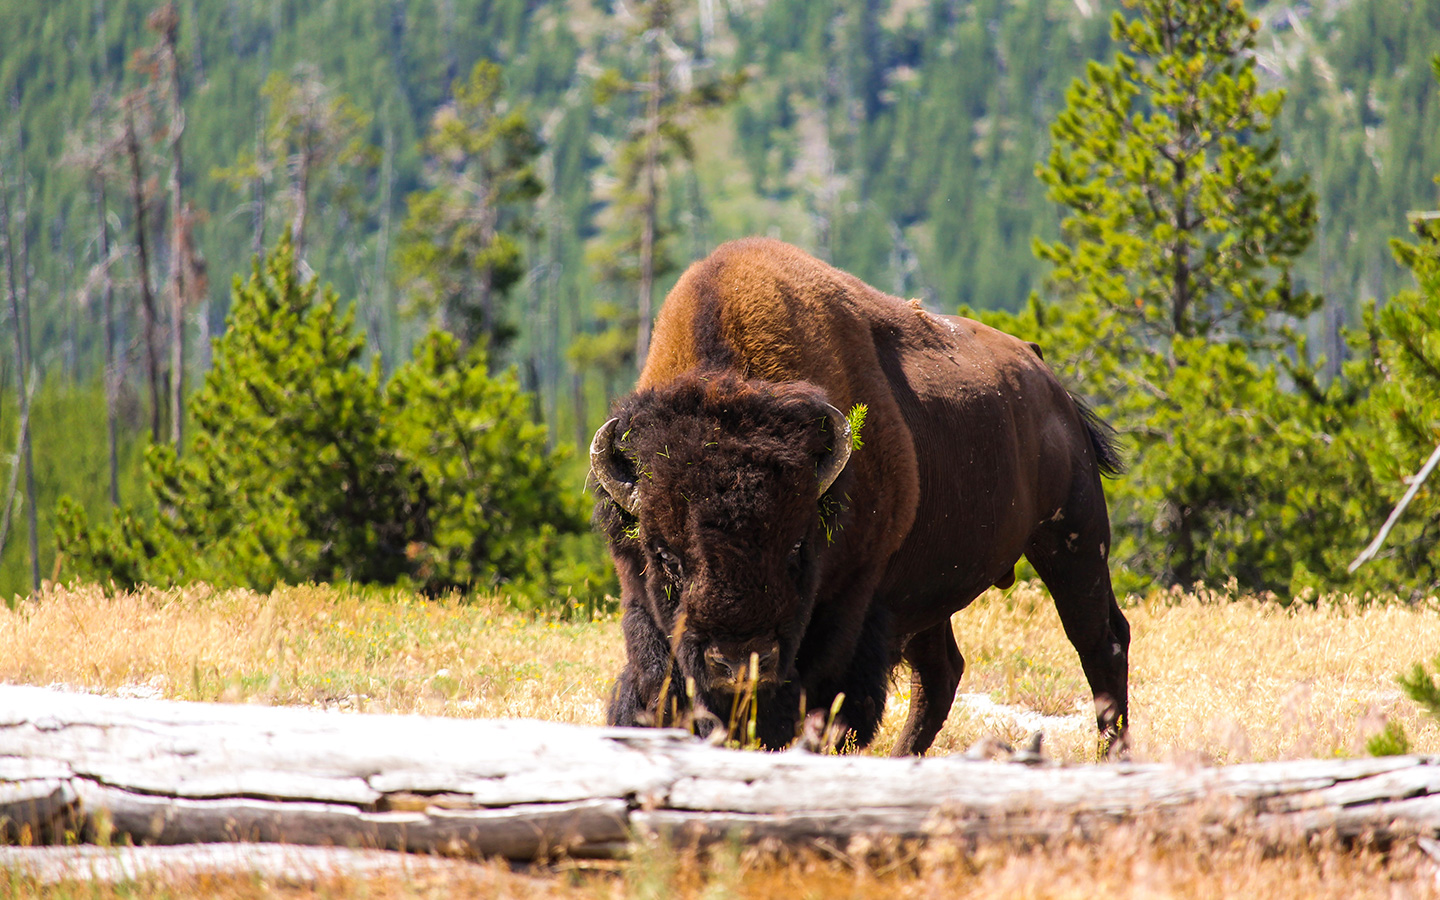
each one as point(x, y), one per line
point(738, 664)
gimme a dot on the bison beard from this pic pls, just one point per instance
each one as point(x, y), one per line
point(758, 555)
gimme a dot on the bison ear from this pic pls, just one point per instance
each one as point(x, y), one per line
point(602, 463)
point(833, 463)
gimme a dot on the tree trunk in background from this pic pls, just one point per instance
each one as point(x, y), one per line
point(648, 204)
point(485, 281)
point(147, 294)
point(380, 285)
point(577, 400)
point(22, 437)
point(197, 58)
point(300, 187)
point(257, 189)
point(24, 383)
point(553, 272)
point(107, 304)
point(167, 22)
point(538, 312)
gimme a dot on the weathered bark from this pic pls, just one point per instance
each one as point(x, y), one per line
point(168, 773)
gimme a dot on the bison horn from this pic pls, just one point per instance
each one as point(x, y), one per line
point(602, 463)
point(833, 464)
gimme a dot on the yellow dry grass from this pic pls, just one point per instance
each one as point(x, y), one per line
point(1212, 679)
point(1123, 865)
point(317, 646)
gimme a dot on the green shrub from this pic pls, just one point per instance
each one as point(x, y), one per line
point(303, 467)
point(1405, 409)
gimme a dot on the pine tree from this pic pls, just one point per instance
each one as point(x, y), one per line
point(302, 467)
point(1173, 270)
point(290, 475)
point(496, 505)
point(670, 97)
point(459, 248)
point(1406, 409)
point(312, 134)
point(1178, 220)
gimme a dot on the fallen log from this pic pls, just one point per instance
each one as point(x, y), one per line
point(158, 772)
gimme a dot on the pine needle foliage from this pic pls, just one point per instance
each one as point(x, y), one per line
point(1178, 220)
point(303, 467)
point(1406, 411)
point(497, 507)
point(1172, 281)
point(459, 247)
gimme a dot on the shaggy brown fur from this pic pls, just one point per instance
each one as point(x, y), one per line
point(972, 455)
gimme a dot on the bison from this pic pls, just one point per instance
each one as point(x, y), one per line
point(762, 547)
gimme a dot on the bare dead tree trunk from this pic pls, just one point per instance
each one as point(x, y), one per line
point(489, 215)
point(24, 384)
point(1180, 315)
point(22, 438)
point(380, 292)
point(300, 187)
point(197, 57)
point(107, 303)
point(177, 304)
point(538, 314)
point(147, 294)
point(257, 189)
point(1415, 483)
point(577, 402)
point(22, 218)
point(648, 202)
point(553, 274)
point(166, 22)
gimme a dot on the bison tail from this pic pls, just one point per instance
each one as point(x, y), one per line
point(1103, 440)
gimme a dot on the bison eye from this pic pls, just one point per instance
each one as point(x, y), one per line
point(670, 561)
point(795, 560)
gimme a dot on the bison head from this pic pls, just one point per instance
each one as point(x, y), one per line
point(719, 513)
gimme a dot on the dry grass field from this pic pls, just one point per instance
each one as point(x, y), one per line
point(1214, 680)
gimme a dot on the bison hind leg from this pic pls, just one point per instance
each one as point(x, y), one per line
point(1071, 556)
point(935, 669)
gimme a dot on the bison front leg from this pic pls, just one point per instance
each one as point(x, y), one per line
point(935, 669)
point(636, 697)
point(863, 683)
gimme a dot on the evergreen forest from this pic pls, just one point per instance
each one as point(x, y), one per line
point(420, 242)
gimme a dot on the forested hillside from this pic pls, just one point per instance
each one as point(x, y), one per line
point(897, 139)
